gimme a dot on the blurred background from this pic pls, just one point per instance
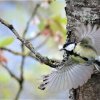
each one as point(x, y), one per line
point(43, 23)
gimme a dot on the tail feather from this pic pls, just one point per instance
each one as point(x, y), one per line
point(66, 78)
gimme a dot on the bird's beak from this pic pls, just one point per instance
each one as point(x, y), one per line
point(61, 49)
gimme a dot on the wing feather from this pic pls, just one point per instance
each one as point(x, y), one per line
point(93, 33)
point(68, 77)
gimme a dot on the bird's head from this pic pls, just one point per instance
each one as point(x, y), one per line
point(68, 47)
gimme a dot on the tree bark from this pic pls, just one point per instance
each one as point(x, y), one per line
point(83, 11)
point(90, 90)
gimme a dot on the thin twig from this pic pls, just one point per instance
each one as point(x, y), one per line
point(13, 52)
point(40, 45)
point(33, 14)
point(21, 75)
point(19, 91)
point(10, 73)
point(33, 38)
point(23, 57)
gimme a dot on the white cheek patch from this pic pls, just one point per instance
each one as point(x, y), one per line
point(70, 47)
point(97, 58)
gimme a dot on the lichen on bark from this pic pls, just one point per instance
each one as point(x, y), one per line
point(82, 11)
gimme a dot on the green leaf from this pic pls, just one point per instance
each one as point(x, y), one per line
point(41, 25)
point(6, 41)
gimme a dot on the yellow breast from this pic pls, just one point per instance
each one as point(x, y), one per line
point(83, 51)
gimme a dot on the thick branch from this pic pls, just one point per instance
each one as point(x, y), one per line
point(38, 56)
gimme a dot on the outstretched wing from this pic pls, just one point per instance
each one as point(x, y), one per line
point(67, 77)
point(91, 32)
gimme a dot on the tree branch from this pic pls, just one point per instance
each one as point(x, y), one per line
point(13, 52)
point(33, 14)
point(33, 38)
point(11, 74)
point(23, 57)
point(19, 91)
point(37, 55)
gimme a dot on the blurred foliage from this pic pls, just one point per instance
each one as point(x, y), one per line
point(3, 43)
point(50, 21)
point(6, 41)
point(55, 23)
point(4, 78)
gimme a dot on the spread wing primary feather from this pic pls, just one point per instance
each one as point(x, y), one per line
point(90, 32)
point(89, 43)
point(69, 76)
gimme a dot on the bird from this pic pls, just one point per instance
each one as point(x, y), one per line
point(87, 47)
point(81, 57)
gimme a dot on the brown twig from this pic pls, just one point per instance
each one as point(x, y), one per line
point(18, 93)
point(33, 14)
point(23, 57)
point(33, 38)
point(44, 42)
point(13, 52)
point(37, 56)
point(10, 73)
